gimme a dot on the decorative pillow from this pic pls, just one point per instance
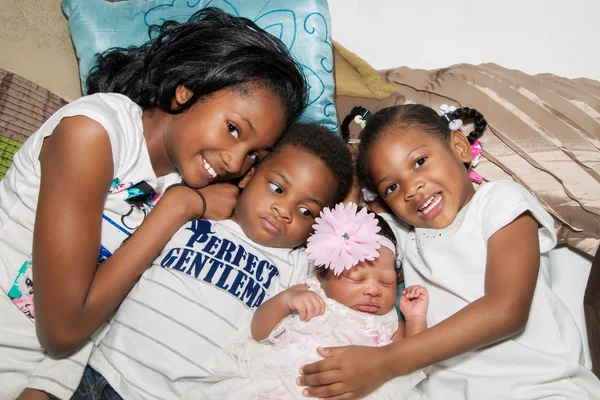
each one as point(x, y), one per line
point(35, 43)
point(304, 26)
point(354, 77)
point(8, 148)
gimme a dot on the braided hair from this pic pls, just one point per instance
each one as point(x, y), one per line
point(408, 116)
point(357, 111)
point(210, 52)
point(467, 113)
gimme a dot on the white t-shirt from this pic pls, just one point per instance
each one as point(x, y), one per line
point(135, 189)
point(200, 291)
point(543, 361)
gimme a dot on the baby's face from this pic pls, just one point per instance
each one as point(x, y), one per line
point(278, 207)
point(370, 286)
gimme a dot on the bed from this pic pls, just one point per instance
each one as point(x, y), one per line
point(545, 130)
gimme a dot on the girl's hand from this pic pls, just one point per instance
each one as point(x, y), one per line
point(221, 199)
point(414, 301)
point(306, 303)
point(349, 372)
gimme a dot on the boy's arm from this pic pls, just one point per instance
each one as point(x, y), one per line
point(272, 312)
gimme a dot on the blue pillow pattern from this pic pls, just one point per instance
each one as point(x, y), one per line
point(304, 26)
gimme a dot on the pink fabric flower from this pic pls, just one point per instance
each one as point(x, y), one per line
point(343, 238)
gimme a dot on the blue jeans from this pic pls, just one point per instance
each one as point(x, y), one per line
point(94, 386)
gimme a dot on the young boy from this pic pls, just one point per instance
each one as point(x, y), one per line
point(212, 275)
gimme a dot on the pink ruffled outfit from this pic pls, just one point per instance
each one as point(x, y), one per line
point(268, 370)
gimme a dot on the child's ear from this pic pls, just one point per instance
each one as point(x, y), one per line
point(182, 95)
point(246, 178)
point(461, 146)
point(321, 275)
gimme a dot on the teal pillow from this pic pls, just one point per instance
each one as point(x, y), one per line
point(304, 26)
point(399, 290)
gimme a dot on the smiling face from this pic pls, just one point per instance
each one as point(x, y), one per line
point(421, 177)
point(369, 286)
point(222, 136)
point(278, 206)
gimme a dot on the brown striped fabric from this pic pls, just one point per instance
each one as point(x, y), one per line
point(24, 107)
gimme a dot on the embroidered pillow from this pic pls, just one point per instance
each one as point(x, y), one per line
point(304, 26)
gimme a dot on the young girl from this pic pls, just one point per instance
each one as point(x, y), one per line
point(497, 331)
point(349, 301)
point(201, 102)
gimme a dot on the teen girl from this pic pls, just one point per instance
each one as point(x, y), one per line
point(497, 330)
point(201, 102)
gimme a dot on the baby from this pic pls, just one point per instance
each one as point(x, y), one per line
point(350, 300)
point(212, 275)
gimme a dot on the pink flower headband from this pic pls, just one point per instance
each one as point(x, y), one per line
point(344, 238)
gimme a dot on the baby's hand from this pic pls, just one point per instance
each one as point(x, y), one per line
point(414, 301)
point(306, 303)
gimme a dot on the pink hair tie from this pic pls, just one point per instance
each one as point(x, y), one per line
point(476, 152)
point(344, 237)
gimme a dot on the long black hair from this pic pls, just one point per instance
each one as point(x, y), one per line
point(408, 116)
point(211, 51)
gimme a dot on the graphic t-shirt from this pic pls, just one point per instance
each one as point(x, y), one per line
point(202, 289)
point(134, 190)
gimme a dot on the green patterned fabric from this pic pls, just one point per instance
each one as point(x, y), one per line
point(8, 147)
point(24, 106)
